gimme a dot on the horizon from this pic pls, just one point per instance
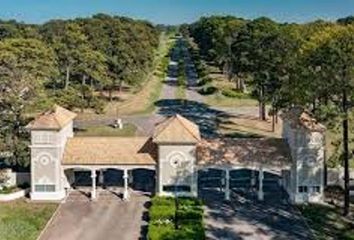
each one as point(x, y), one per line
point(173, 12)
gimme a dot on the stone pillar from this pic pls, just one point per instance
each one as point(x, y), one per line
point(260, 189)
point(126, 191)
point(227, 184)
point(253, 178)
point(93, 191)
point(101, 177)
point(194, 187)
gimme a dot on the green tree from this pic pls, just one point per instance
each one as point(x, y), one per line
point(25, 65)
point(330, 56)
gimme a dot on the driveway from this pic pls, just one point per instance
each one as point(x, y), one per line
point(107, 218)
point(244, 218)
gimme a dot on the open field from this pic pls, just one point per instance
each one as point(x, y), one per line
point(21, 220)
point(104, 130)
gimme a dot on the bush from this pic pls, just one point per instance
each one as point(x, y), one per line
point(158, 232)
point(205, 80)
point(98, 105)
point(162, 217)
point(190, 214)
point(208, 90)
point(162, 212)
point(232, 93)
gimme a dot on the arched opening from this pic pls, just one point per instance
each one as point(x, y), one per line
point(210, 183)
point(142, 180)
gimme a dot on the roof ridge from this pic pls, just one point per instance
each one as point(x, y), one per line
point(181, 119)
point(163, 127)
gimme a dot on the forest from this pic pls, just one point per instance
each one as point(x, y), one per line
point(286, 64)
point(74, 63)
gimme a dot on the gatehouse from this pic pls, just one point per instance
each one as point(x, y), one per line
point(174, 159)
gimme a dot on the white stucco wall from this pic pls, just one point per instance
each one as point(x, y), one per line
point(307, 171)
point(47, 148)
point(176, 166)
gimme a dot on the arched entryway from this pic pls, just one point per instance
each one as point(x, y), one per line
point(96, 181)
point(248, 183)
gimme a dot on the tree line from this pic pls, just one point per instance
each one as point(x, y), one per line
point(75, 63)
point(286, 64)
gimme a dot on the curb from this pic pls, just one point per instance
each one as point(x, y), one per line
point(49, 221)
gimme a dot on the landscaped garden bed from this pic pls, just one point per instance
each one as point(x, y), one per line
point(169, 222)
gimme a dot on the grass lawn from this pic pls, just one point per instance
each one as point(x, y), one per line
point(103, 130)
point(327, 223)
point(180, 92)
point(163, 217)
point(220, 100)
point(20, 220)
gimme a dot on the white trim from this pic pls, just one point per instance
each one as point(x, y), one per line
point(118, 167)
point(48, 196)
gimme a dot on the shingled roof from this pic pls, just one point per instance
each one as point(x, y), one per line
point(109, 151)
point(176, 129)
point(54, 119)
point(299, 117)
point(266, 152)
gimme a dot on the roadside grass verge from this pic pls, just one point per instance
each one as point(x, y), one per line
point(163, 215)
point(21, 220)
point(326, 222)
point(128, 130)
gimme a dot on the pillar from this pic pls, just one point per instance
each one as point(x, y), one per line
point(227, 184)
point(194, 187)
point(260, 180)
point(93, 191)
point(126, 192)
point(253, 178)
point(101, 177)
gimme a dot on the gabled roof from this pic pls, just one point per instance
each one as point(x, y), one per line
point(267, 152)
point(299, 117)
point(54, 119)
point(176, 129)
point(109, 151)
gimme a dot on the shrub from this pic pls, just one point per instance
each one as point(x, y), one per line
point(227, 92)
point(158, 232)
point(169, 201)
point(190, 214)
point(162, 212)
point(207, 90)
point(98, 105)
point(205, 80)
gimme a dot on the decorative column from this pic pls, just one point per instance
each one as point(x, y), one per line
point(93, 178)
point(227, 185)
point(194, 187)
point(101, 178)
point(260, 180)
point(253, 178)
point(126, 192)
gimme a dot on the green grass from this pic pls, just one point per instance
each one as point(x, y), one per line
point(20, 220)
point(7, 190)
point(180, 92)
point(220, 100)
point(127, 131)
point(162, 219)
point(327, 223)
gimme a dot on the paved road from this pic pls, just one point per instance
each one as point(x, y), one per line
point(244, 218)
point(108, 218)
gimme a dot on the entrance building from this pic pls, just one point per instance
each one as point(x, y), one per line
point(177, 153)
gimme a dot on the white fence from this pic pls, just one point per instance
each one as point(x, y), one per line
point(17, 178)
point(335, 177)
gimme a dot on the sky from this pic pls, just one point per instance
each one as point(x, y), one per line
point(176, 11)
